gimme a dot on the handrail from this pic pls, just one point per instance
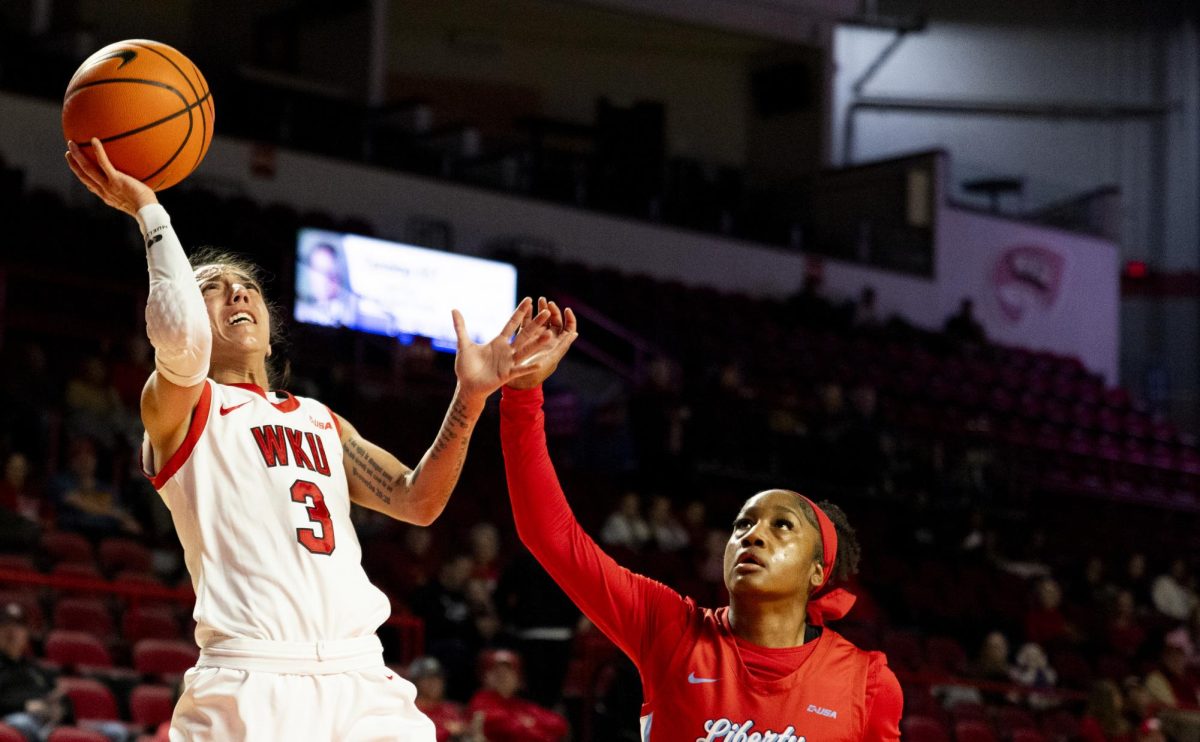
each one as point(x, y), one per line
point(641, 348)
point(95, 585)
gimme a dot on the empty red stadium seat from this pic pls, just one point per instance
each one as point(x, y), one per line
point(149, 622)
point(973, 730)
point(68, 548)
point(8, 734)
point(1060, 725)
point(16, 561)
point(917, 728)
point(84, 614)
point(77, 569)
point(945, 654)
point(164, 657)
point(968, 711)
point(1012, 718)
point(75, 734)
point(90, 699)
point(151, 705)
point(121, 553)
point(76, 649)
point(903, 650)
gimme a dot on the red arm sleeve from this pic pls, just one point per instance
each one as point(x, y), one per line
point(885, 704)
point(630, 609)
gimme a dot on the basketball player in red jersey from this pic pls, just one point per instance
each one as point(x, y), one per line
point(764, 668)
point(259, 483)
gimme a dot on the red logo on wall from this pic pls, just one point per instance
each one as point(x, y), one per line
point(1027, 278)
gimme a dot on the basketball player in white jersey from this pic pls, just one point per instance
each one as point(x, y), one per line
point(259, 484)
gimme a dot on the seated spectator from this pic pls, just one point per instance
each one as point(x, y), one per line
point(508, 718)
point(963, 327)
point(1188, 637)
point(866, 314)
point(1045, 623)
point(1125, 632)
point(1172, 684)
point(992, 663)
point(85, 504)
point(93, 406)
point(668, 533)
point(20, 507)
point(1033, 671)
point(1103, 720)
point(1150, 730)
point(1136, 579)
point(30, 700)
point(625, 527)
point(485, 550)
point(1172, 593)
point(450, 629)
point(448, 717)
point(1138, 704)
point(542, 620)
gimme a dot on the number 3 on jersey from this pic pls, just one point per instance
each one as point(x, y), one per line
point(303, 491)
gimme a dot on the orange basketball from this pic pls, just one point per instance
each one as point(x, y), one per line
point(148, 104)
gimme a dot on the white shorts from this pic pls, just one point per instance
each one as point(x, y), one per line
point(254, 691)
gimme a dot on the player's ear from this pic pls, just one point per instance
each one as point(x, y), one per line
point(818, 574)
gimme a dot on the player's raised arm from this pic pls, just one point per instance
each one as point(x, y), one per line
point(177, 321)
point(379, 481)
point(630, 609)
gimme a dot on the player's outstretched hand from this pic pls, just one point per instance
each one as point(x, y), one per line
point(115, 188)
point(563, 329)
point(482, 369)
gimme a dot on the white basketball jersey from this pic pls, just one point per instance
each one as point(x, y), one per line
point(260, 501)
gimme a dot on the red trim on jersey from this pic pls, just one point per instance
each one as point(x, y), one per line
point(337, 424)
point(288, 404)
point(195, 428)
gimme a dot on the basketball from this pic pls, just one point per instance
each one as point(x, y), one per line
point(148, 104)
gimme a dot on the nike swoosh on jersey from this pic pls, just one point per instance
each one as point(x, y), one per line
point(695, 680)
point(227, 410)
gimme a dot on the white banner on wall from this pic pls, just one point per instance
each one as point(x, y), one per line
point(1033, 287)
point(1040, 288)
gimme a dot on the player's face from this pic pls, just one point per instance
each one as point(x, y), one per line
point(237, 312)
point(771, 552)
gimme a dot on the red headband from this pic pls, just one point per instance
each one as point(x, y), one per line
point(837, 602)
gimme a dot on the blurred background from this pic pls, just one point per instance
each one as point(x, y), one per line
point(936, 261)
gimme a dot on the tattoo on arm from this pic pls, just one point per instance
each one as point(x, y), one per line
point(368, 471)
point(452, 439)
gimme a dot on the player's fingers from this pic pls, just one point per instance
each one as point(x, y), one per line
point(460, 328)
point(102, 157)
point(541, 303)
point(529, 352)
point(79, 173)
point(569, 323)
point(532, 330)
point(517, 317)
point(85, 164)
point(556, 318)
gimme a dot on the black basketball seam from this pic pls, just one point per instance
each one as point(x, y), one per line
point(203, 123)
point(144, 127)
point(142, 80)
point(203, 119)
point(186, 109)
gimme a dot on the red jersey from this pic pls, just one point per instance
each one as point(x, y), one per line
point(699, 682)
